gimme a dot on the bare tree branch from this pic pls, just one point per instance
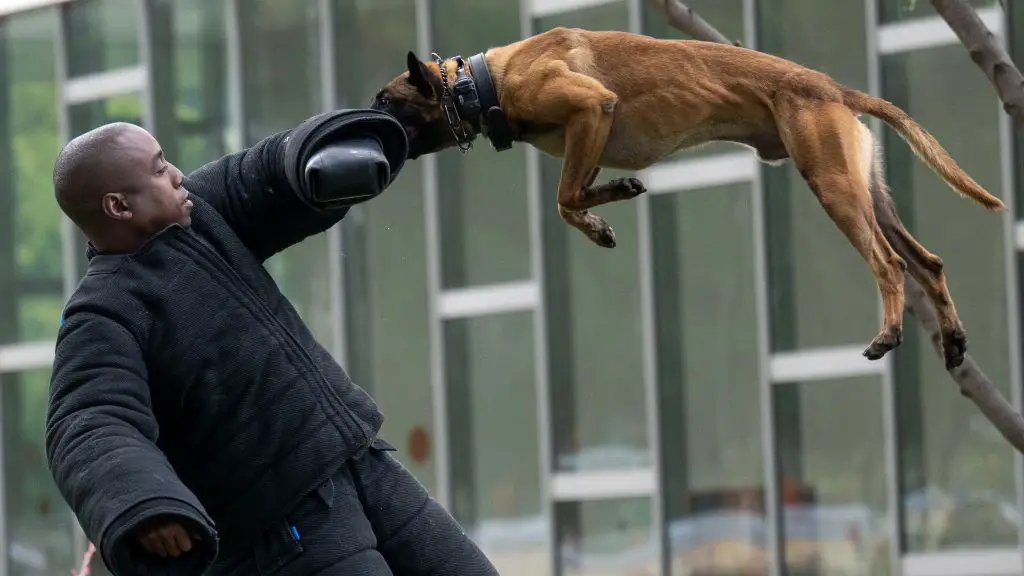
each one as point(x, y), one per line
point(987, 52)
point(683, 18)
point(973, 382)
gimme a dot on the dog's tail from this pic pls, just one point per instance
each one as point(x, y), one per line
point(924, 145)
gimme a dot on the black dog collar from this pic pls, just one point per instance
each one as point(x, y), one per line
point(473, 97)
point(495, 123)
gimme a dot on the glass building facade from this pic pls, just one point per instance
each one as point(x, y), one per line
point(693, 402)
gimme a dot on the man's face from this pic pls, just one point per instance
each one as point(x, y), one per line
point(147, 192)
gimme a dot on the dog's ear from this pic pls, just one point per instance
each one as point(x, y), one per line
point(419, 75)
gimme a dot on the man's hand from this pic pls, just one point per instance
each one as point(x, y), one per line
point(165, 537)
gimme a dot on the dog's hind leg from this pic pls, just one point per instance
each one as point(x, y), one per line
point(925, 267)
point(585, 109)
point(834, 152)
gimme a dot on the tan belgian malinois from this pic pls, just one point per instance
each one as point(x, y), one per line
point(621, 100)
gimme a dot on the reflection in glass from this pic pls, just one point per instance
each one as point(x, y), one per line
point(383, 254)
point(30, 251)
point(821, 292)
point(280, 64)
point(120, 108)
point(281, 76)
point(897, 10)
point(494, 440)
point(606, 538)
point(957, 472)
point(708, 366)
point(1015, 46)
point(482, 195)
point(830, 440)
point(102, 35)
point(190, 80)
point(38, 524)
point(599, 418)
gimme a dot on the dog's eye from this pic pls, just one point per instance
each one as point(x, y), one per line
point(384, 99)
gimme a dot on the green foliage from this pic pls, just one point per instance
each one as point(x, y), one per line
point(34, 133)
point(36, 143)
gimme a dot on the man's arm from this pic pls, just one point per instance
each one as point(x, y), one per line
point(302, 181)
point(101, 450)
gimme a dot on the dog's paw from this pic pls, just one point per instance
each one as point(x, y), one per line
point(883, 343)
point(954, 347)
point(604, 237)
point(599, 231)
point(628, 187)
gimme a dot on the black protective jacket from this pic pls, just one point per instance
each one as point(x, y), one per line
point(184, 382)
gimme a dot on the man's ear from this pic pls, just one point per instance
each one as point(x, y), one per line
point(115, 206)
point(419, 75)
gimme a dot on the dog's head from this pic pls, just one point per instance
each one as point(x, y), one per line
point(414, 98)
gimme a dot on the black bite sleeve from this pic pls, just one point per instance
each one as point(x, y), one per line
point(338, 160)
point(293, 184)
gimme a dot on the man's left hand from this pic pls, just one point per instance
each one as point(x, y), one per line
point(165, 538)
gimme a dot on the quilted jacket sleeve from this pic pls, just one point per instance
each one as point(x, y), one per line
point(101, 449)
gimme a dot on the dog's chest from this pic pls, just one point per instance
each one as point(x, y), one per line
point(550, 140)
point(628, 147)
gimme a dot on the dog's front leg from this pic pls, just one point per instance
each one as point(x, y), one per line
point(586, 132)
point(585, 109)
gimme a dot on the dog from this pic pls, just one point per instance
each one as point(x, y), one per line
point(622, 100)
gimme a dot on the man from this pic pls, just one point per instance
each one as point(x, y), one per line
point(194, 423)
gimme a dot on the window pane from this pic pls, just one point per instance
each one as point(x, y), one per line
point(281, 64)
point(120, 108)
point(1015, 11)
point(727, 17)
point(386, 304)
point(831, 449)
point(896, 10)
point(607, 16)
point(30, 250)
point(102, 35)
point(38, 523)
point(482, 195)
point(954, 464)
point(88, 115)
point(383, 254)
point(595, 359)
point(596, 364)
point(712, 465)
point(190, 77)
point(280, 40)
point(606, 537)
point(821, 292)
point(495, 444)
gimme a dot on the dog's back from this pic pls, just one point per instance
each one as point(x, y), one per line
point(680, 93)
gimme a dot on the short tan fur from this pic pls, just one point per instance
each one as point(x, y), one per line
point(621, 100)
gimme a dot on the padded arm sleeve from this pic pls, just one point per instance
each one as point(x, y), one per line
point(101, 449)
point(345, 160)
point(301, 182)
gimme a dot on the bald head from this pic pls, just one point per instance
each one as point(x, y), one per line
point(86, 168)
point(114, 183)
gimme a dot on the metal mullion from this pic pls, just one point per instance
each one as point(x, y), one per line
point(431, 216)
point(768, 448)
point(335, 259)
point(541, 360)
